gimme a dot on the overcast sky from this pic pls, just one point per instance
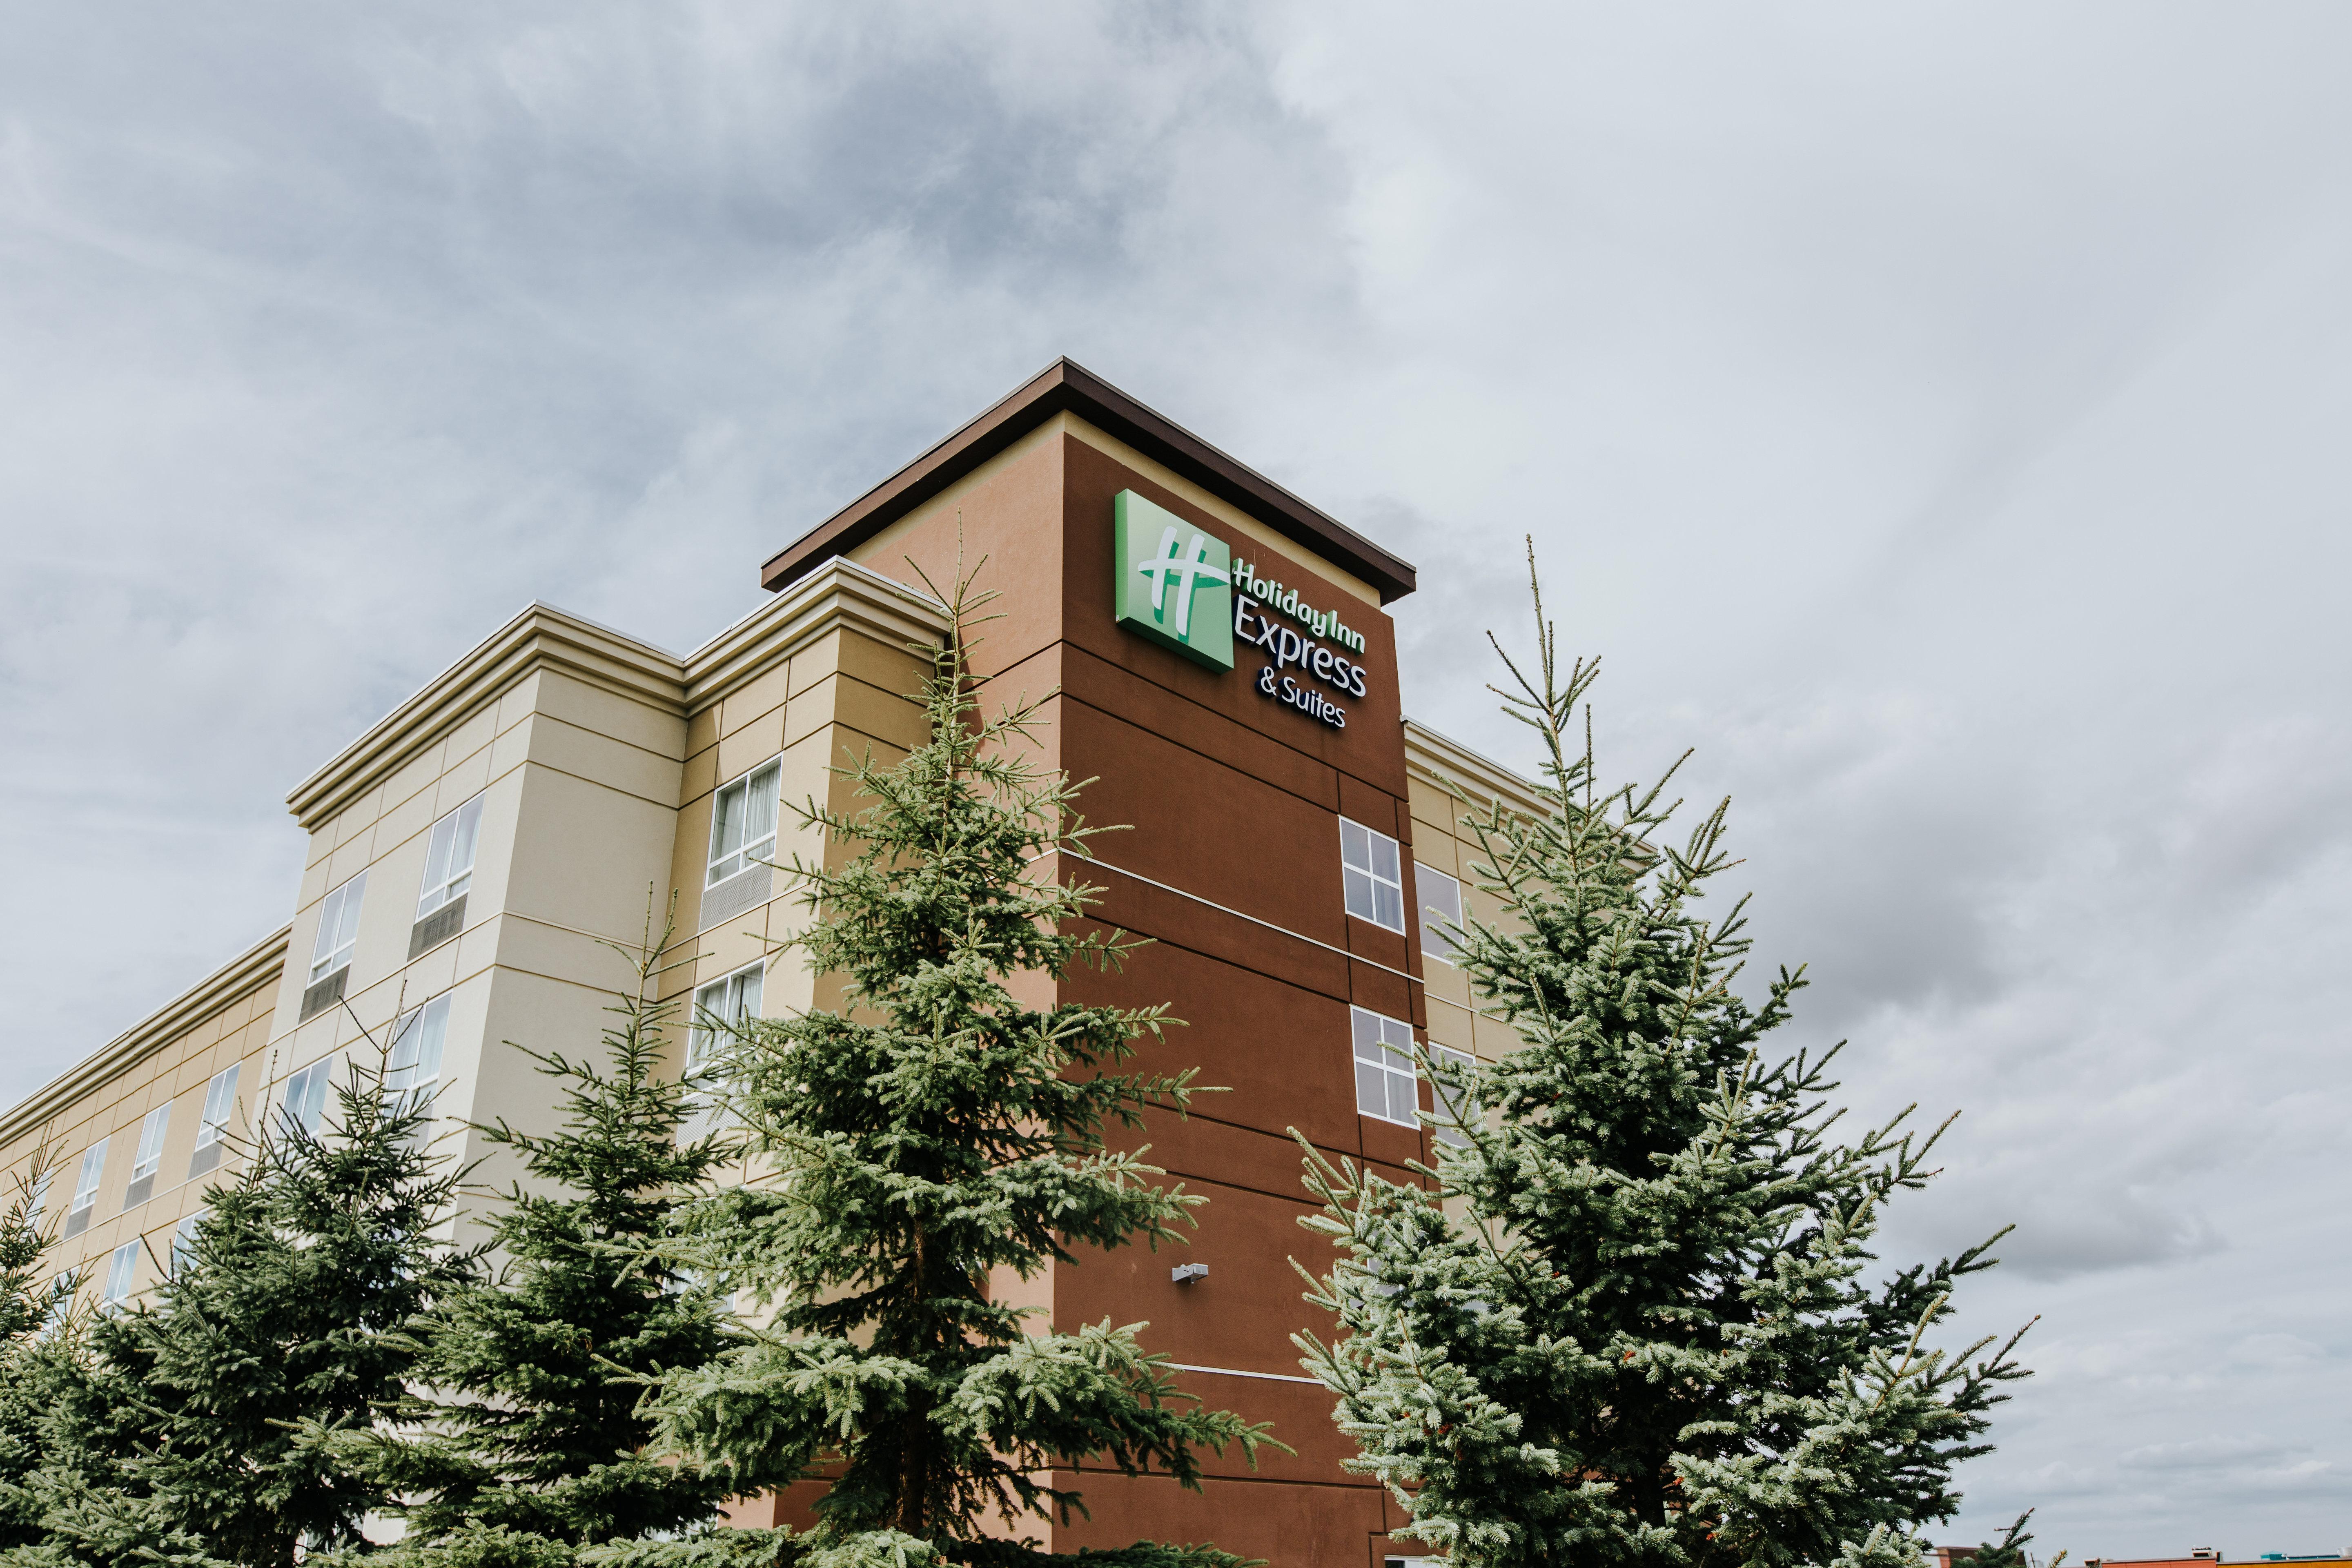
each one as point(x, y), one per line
point(1935, 413)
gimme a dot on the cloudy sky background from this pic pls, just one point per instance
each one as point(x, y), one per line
point(1936, 414)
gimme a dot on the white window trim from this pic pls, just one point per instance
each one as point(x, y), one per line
point(413, 1084)
point(1383, 1066)
point(153, 1128)
point(339, 902)
point(285, 1095)
point(1433, 939)
point(698, 1038)
point(91, 1176)
point(183, 1236)
point(121, 1268)
point(1377, 881)
point(1440, 1129)
point(457, 881)
point(220, 1101)
point(748, 856)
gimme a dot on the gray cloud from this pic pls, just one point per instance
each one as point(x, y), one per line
point(1934, 416)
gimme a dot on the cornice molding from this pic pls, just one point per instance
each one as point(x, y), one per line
point(1451, 766)
point(255, 968)
point(838, 595)
point(539, 636)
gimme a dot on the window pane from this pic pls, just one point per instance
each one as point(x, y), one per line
point(330, 921)
point(183, 1241)
point(1404, 1098)
point(120, 1273)
point(347, 923)
point(1441, 911)
point(219, 1096)
point(1360, 901)
point(726, 823)
point(436, 860)
point(1372, 1091)
point(760, 804)
point(469, 832)
point(747, 994)
point(1388, 904)
point(1384, 855)
point(1353, 849)
point(1365, 1026)
point(93, 1167)
point(151, 1141)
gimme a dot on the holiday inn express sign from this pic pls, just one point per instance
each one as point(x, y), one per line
point(1180, 586)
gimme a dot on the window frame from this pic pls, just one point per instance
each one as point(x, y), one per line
point(211, 1121)
point(1438, 1104)
point(1422, 875)
point(700, 1038)
point(423, 1033)
point(1370, 876)
point(89, 1177)
point(456, 881)
point(324, 1082)
point(121, 1268)
point(747, 854)
point(183, 1242)
point(342, 905)
point(1360, 1062)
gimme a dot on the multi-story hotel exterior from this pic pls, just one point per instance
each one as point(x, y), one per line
point(1225, 672)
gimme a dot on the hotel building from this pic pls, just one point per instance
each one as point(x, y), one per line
point(1225, 671)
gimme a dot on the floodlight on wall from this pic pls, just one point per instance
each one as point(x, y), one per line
point(1185, 1273)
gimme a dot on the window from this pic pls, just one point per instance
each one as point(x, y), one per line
point(339, 927)
point(449, 857)
point(1447, 1056)
point(183, 1242)
point(305, 1105)
point(743, 823)
point(412, 1073)
point(1441, 911)
point(120, 1272)
point(85, 1198)
point(1386, 1084)
point(151, 1155)
point(720, 1002)
point(220, 1101)
point(1369, 868)
point(61, 1295)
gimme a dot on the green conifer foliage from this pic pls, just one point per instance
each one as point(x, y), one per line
point(521, 1427)
point(28, 1360)
point(934, 1128)
point(190, 1438)
point(1632, 1317)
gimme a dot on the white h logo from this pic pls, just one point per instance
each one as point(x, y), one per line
point(1189, 568)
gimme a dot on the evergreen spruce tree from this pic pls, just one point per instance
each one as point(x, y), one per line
point(521, 1430)
point(1631, 1318)
point(182, 1441)
point(29, 1361)
point(933, 1128)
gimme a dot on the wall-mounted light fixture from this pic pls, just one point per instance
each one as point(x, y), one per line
point(1185, 1273)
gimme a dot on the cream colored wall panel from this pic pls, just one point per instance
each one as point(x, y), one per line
point(403, 823)
point(530, 947)
point(511, 749)
point(884, 665)
point(414, 778)
point(474, 734)
point(586, 855)
point(355, 818)
point(348, 862)
point(689, 859)
point(755, 699)
point(464, 778)
point(703, 730)
point(868, 711)
point(701, 775)
point(725, 949)
point(520, 702)
point(607, 713)
point(1450, 1025)
point(745, 748)
point(314, 884)
point(583, 753)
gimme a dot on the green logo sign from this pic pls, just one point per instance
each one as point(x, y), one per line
point(1172, 581)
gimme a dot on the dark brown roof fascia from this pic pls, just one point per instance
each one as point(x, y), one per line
point(1064, 386)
